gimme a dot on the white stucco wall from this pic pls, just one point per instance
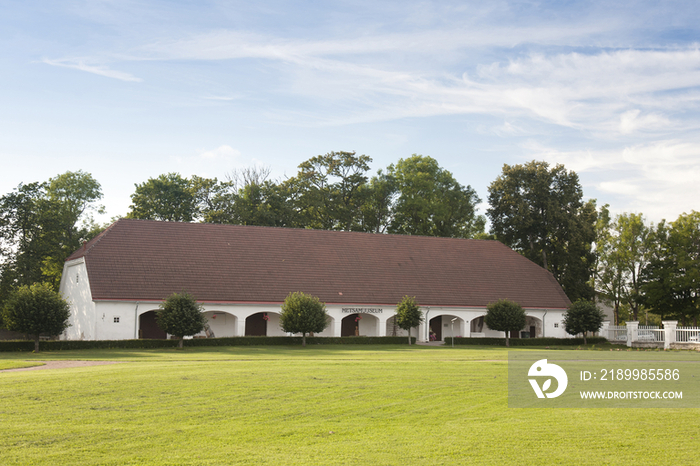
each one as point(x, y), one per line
point(75, 288)
point(109, 320)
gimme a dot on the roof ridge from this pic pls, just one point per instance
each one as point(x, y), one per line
point(319, 230)
point(87, 247)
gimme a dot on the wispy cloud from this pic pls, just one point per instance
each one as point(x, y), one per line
point(607, 92)
point(94, 69)
point(658, 178)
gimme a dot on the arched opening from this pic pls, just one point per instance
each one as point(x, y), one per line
point(219, 324)
point(477, 325)
point(148, 328)
point(359, 325)
point(256, 324)
point(393, 329)
point(435, 331)
point(533, 328)
point(442, 326)
point(350, 326)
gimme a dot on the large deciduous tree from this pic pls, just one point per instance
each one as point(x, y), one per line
point(431, 202)
point(41, 224)
point(378, 197)
point(328, 191)
point(36, 310)
point(540, 213)
point(250, 198)
point(173, 198)
point(180, 315)
point(302, 313)
point(623, 250)
point(505, 316)
point(408, 315)
point(671, 280)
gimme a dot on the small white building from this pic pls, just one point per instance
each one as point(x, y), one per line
point(242, 274)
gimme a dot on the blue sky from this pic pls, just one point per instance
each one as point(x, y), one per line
point(129, 90)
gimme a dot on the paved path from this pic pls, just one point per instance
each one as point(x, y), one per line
point(61, 365)
point(430, 343)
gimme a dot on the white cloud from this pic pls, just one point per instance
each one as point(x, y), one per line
point(94, 69)
point(631, 122)
point(224, 152)
point(659, 178)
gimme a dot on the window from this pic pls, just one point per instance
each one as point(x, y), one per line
point(77, 278)
point(556, 324)
point(116, 319)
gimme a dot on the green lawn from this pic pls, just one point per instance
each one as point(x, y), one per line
point(320, 405)
point(17, 364)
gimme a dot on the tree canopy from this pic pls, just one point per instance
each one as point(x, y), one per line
point(172, 198)
point(302, 313)
point(36, 310)
point(582, 317)
point(505, 316)
point(41, 224)
point(540, 213)
point(431, 202)
point(180, 315)
point(670, 282)
point(623, 250)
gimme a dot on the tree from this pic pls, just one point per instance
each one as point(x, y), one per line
point(377, 209)
point(540, 213)
point(180, 315)
point(249, 198)
point(173, 198)
point(623, 250)
point(71, 198)
point(36, 310)
point(670, 283)
point(408, 315)
point(505, 316)
point(431, 202)
point(581, 317)
point(328, 193)
point(41, 224)
point(302, 313)
point(609, 277)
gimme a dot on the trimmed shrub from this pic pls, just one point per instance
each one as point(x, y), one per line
point(65, 345)
point(524, 341)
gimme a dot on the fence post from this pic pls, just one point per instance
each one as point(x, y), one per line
point(605, 330)
point(632, 332)
point(670, 329)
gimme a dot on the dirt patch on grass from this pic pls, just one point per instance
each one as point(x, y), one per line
point(61, 365)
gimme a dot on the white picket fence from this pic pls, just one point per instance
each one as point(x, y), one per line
point(617, 333)
point(688, 334)
point(651, 334)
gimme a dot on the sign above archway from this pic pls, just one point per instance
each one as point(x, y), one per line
point(362, 310)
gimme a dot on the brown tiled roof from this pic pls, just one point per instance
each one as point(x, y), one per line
point(147, 260)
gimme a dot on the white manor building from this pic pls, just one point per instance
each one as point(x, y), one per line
point(242, 274)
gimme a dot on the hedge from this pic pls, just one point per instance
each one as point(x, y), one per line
point(64, 345)
point(525, 341)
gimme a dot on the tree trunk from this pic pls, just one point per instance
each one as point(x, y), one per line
point(507, 342)
point(303, 339)
point(544, 259)
point(584, 338)
point(36, 343)
point(180, 343)
point(409, 336)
